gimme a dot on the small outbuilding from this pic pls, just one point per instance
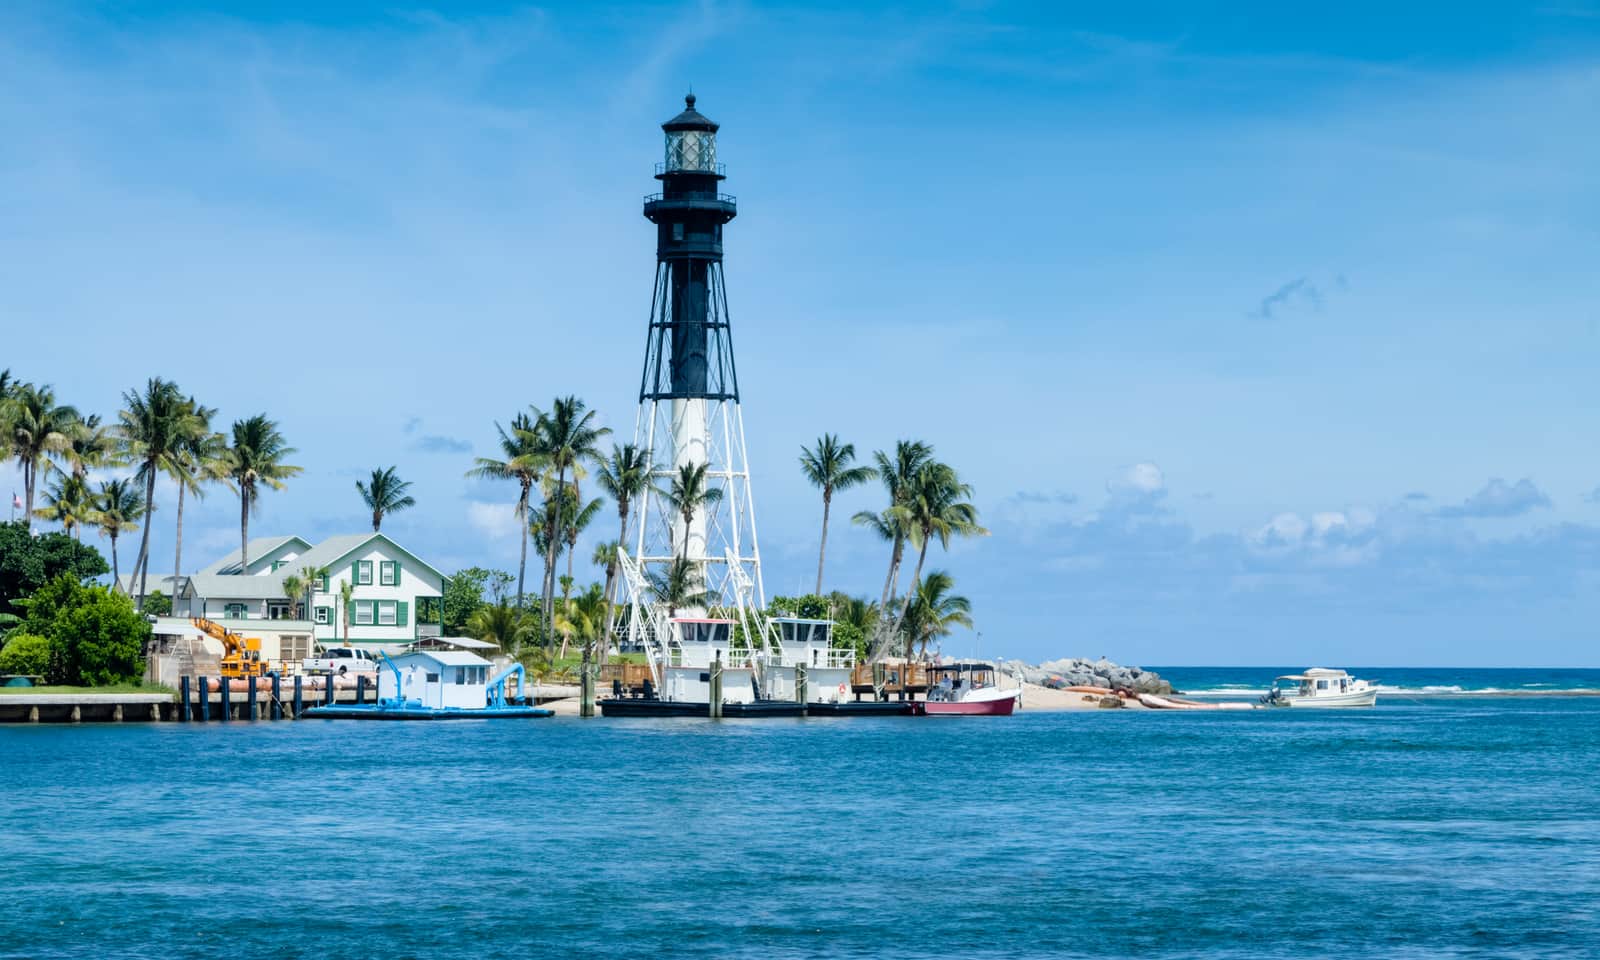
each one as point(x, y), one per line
point(437, 679)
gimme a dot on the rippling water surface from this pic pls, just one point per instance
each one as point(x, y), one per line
point(1456, 827)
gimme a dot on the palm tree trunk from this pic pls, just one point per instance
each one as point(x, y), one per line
point(177, 553)
point(142, 565)
point(916, 577)
point(522, 566)
point(822, 551)
point(554, 532)
point(244, 528)
point(116, 578)
point(27, 491)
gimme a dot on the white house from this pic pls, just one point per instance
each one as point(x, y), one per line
point(438, 678)
point(396, 597)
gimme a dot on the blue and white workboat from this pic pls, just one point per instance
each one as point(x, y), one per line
point(439, 685)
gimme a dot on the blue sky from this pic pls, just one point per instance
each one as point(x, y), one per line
point(1264, 337)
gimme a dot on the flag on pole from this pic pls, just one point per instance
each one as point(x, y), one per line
point(16, 502)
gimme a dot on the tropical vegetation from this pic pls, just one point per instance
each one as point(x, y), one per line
point(384, 494)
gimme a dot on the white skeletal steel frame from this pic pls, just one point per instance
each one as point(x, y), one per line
point(722, 533)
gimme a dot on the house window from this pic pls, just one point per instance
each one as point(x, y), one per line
point(234, 611)
point(324, 615)
point(386, 573)
point(387, 613)
point(364, 573)
point(322, 583)
point(364, 613)
point(433, 678)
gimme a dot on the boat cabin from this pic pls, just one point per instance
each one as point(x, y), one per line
point(1318, 681)
point(807, 644)
point(436, 679)
point(693, 645)
point(948, 681)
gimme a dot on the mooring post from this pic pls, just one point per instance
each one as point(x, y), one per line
point(586, 687)
point(116, 713)
point(276, 710)
point(716, 687)
point(223, 683)
point(183, 691)
point(253, 714)
point(299, 704)
point(33, 714)
point(77, 714)
point(800, 687)
point(205, 700)
point(361, 689)
point(327, 689)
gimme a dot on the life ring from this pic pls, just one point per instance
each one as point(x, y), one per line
point(842, 690)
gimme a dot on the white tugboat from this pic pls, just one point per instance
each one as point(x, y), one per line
point(1320, 687)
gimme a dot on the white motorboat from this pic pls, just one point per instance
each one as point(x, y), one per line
point(1320, 687)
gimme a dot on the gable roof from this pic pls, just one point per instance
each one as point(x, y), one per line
point(331, 551)
point(259, 547)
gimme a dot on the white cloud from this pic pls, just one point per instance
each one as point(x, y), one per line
point(496, 521)
point(1143, 479)
point(1500, 499)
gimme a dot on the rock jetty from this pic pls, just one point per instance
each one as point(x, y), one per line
point(1089, 673)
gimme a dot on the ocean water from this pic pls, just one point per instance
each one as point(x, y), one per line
point(1427, 827)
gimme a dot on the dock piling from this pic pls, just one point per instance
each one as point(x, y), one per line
point(205, 701)
point(183, 694)
point(116, 713)
point(276, 710)
point(586, 687)
point(227, 708)
point(361, 689)
point(801, 693)
point(327, 689)
point(252, 689)
point(716, 687)
point(299, 704)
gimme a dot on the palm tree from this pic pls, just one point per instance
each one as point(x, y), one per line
point(506, 627)
point(936, 507)
point(36, 426)
point(679, 586)
point(118, 509)
point(827, 466)
point(386, 494)
point(690, 491)
point(582, 618)
point(68, 503)
point(524, 462)
point(153, 425)
point(254, 460)
point(576, 519)
point(309, 578)
point(294, 588)
point(90, 445)
point(935, 611)
point(569, 439)
point(196, 461)
point(347, 592)
point(897, 473)
point(623, 475)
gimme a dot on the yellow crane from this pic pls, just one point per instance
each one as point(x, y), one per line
point(241, 655)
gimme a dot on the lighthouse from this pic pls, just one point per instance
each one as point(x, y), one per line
point(689, 417)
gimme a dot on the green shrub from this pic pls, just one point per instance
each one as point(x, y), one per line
point(28, 562)
point(26, 653)
point(159, 604)
point(96, 636)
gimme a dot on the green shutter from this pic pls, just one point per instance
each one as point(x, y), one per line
point(397, 573)
point(400, 614)
point(355, 574)
point(350, 612)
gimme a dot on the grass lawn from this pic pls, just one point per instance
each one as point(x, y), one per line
point(113, 688)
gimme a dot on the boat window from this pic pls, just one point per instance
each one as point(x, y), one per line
point(433, 678)
point(461, 675)
point(1322, 684)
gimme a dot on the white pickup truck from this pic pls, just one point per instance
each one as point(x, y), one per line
point(341, 660)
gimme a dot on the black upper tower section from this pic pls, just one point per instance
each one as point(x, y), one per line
point(690, 355)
